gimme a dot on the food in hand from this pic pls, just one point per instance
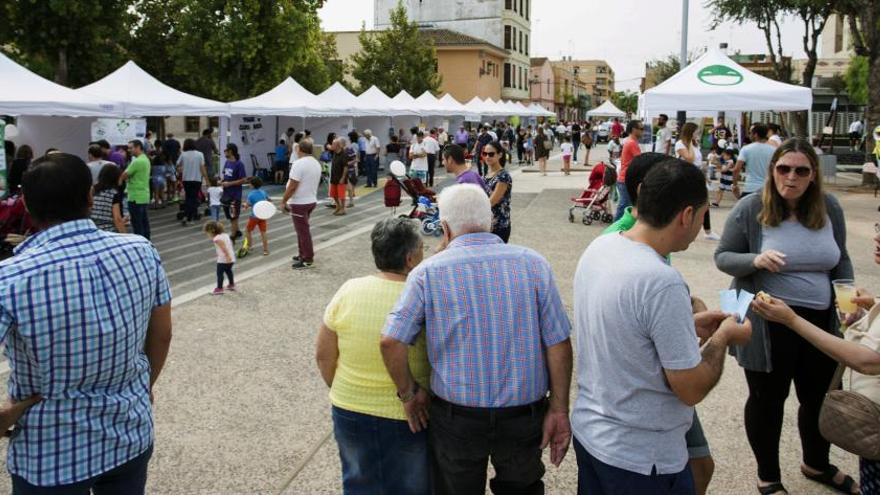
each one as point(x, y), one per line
point(763, 297)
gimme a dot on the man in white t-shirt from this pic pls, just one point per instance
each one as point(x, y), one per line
point(664, 135)
point(418, 153)
point(855, 134)
point(432, 146)
point(371, 158)
point(640, 367)
point(96, 162)
point(300, 199)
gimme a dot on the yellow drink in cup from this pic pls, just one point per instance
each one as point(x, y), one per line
point(845, 290)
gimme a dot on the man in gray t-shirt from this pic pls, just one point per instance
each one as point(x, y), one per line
point(640, 368)
point(755, 157)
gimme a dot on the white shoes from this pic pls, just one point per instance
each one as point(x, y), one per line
point(711, 236)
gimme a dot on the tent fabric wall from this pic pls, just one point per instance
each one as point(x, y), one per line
point(68, 134)
point(250, 141)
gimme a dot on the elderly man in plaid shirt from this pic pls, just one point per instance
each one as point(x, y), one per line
point(498, 340)
point(86, 318)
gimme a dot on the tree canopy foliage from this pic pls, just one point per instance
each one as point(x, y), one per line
point(628, 101)
point(221, 49)
point(399, 58)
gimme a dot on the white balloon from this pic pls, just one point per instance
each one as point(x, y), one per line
point(264, 210)
point(11, 131)
point(397, 168)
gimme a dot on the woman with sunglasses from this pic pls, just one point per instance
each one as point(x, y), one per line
point(499, 184)
point(789, 240)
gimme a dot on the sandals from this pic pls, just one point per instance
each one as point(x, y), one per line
point(827, 478)
point(771, 489)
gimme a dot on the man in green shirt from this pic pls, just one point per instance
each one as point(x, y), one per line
point(701, 462)
point(137, 176)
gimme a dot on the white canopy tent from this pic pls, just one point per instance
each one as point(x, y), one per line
point(143, 95)
point(24, 93)
point(607, 109)
point(288, 99)
point(540, 111)
point(715, 83)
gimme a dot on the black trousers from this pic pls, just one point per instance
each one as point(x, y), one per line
point(463, 439)
point(191, 199)
point(432, 162)
point(793, 359)
point(224, 269)
point(707, 222)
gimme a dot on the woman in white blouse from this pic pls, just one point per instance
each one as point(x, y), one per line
point(688, 149)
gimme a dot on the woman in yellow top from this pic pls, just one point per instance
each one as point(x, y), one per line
point(859, 350)
point(379, 453)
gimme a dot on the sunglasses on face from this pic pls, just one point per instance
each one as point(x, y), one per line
point(490, 154)
point(800, 171)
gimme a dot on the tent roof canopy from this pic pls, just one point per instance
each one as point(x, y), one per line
point(24, 93)
point(288, 99)
point(607, 109)
point(143, 95)
point(339, 101)
point(716, 83)
point(376, 98)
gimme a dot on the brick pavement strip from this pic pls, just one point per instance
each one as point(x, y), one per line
point(240, 406)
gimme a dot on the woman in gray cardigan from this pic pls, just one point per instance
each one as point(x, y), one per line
point(788, 240)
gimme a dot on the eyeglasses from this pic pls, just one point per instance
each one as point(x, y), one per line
point(490, 154)
point(800, 171)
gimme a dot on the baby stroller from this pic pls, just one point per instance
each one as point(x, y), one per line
point(424, 202)
point(595, 199)
point(15, 224)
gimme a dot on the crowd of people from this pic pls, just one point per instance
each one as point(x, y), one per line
point(465, 356)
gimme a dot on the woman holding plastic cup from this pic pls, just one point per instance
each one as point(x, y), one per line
point(860, 351)
point(789, 241)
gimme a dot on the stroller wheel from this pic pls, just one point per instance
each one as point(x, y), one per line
point(588, 220)
point(607, 218)
point(595, 215)
point(428, 228)
point(571, 217)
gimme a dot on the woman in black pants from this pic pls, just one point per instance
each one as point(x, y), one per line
point(191, 169)
point(788, 240)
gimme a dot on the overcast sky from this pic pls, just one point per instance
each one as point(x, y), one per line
point(626, 33)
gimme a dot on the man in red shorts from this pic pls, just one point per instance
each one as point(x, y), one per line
point(338, 175)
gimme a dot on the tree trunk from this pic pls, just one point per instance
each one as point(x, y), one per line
point(62, 73)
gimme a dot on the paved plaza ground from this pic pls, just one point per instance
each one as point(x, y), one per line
point(241, 408)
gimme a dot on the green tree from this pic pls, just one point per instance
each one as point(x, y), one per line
point(399, 58)
point(232, 49)
point(72, 42)
point(628, 101)
point(857, 80)
point(864, 21)
point(662, 69)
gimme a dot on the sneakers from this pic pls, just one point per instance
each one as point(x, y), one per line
point(711, 236)
point(230, 288)
point(300, 265)
point(296, 258)
point(218, 291)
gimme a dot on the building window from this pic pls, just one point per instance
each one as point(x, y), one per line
point(214, 123)
point(527, 44)
point(507, 37)
point(513, 39)
point(506, 75)
point(528, 9)
point(521, 86)
point(521, 11)
point(191, 124)
point(514, 6)
point(521, 42)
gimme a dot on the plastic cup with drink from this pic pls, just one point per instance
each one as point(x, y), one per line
point(845, 290)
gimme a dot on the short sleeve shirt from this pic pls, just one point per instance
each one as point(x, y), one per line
point(634, 319)
point(138, 187)
point(233, 170)
point(191, 164)
point(756, 156)
point(255, 197)
point(307, 172)
point(630, 150)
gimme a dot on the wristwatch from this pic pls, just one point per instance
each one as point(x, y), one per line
point(409, 395)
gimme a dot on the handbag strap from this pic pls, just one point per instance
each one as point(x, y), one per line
point(838, 377)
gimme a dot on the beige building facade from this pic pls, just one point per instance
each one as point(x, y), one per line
point(501, 23)
point(469, 66)
point(542, 83)
point(596, 76)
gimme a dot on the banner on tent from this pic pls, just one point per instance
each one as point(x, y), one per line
point(251, 130)
point(119, 131)
point(2, 159)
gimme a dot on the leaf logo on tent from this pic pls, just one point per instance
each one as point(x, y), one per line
point(720, 75)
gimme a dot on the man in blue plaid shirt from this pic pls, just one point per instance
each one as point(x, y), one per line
point(86, 318)
point(498, 342)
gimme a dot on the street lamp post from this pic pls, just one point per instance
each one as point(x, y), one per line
point(682, 56)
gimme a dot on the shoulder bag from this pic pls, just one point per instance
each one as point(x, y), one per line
point(850, 420)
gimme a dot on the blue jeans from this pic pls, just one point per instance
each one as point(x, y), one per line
point(129, 478)
point(623, 201)
point(597, 478)
point(380, 456)
point(422, 175)
point(575, 143)
point(372, 165)
point(215, 212)
point(140, 222)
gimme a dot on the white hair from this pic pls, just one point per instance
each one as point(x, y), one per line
point(368, 133)
point(465, 208)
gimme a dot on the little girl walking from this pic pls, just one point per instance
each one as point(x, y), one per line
point(215, 193)
point(225, 255)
